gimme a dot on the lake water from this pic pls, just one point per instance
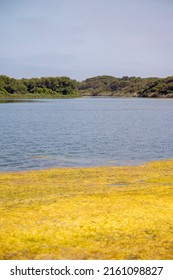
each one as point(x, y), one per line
point(84, 132)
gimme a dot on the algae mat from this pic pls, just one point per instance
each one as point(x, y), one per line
point(88, 213)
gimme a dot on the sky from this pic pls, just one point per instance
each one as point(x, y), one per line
point(86, 38)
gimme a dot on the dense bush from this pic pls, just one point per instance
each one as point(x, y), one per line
point(95, 86)
point(53, 86)
point(127, 86)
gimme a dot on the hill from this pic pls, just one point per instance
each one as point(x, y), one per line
point(127, 86)
point(96, 86)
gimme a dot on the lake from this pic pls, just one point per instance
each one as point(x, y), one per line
point(84, 132)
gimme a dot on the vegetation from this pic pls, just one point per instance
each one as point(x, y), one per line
point(38, 87)
point(88, 213)
point(127, 86)
point(96, 86)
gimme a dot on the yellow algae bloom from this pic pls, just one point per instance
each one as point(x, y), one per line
point(88, 213)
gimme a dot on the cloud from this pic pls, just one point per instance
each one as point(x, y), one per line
point(86, 37)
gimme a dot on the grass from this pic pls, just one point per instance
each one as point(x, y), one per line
point(88, 213)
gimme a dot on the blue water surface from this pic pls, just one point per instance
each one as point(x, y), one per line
point(84, 132)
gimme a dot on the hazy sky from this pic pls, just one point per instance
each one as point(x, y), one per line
point(85, 38)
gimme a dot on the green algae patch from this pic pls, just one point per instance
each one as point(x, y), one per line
point(88, 213)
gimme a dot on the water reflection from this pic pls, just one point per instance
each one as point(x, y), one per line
point(17, 100)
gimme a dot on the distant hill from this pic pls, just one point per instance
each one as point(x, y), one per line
point(127, 86)
point(96, 86)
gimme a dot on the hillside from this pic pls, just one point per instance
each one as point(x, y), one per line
point(127, 86)
point(96, 86)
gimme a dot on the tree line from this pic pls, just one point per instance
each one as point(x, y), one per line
point(95, 86)
point(127, 86)
point(38, 87)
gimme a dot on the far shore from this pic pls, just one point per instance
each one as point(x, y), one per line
point(35, 97)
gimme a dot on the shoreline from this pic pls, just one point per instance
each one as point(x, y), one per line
point(140, 164)
point(29, 97)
